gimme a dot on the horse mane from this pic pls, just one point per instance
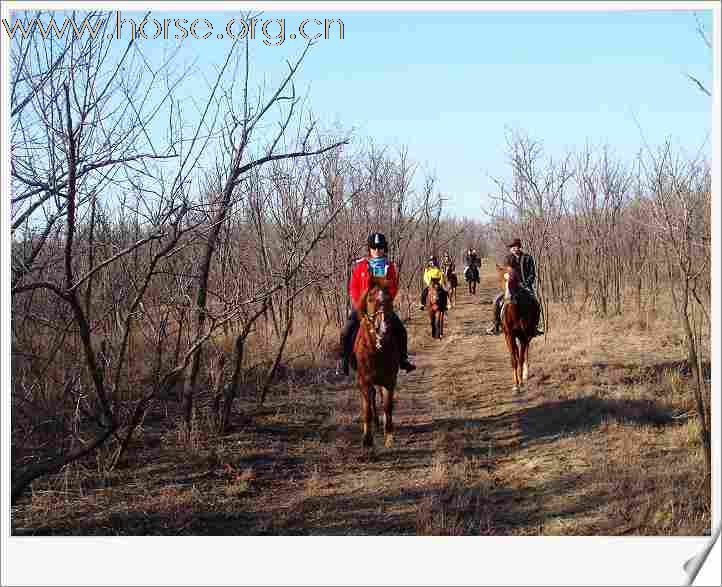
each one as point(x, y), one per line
point(513, 278)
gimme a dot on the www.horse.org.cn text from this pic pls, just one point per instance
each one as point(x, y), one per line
point(271, 32)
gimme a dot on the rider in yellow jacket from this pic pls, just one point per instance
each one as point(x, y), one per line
point(432, 271)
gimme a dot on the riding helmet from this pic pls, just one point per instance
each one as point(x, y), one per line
point(377, 240)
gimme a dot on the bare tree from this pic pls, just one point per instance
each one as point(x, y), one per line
point(682, 208)
point(79, 134)
point(238, 133)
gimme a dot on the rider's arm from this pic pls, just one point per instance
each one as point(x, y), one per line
point(355, 285)
point(531, 270)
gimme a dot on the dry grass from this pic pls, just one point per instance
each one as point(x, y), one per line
point(604, 441)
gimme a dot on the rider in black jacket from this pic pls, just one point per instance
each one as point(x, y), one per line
point(524, 264)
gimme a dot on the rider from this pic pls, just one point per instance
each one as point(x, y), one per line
point(432, 271)
point(376, 263)
point(447, 263)
point(468, 257)
point(524, 264)
point(475, 260)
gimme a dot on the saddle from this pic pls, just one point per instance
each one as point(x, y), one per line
point(521, 296)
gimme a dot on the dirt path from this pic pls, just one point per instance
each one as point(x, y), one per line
point(572, 455)
point(455, 425)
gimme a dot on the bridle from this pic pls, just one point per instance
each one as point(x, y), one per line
point(379, 330)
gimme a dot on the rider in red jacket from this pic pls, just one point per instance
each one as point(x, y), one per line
point(375, 263)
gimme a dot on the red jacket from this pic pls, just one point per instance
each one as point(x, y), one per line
point(360, 280)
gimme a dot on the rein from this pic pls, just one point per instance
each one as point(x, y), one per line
point(370, 317)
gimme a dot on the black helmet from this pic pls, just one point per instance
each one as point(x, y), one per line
point(377, 241)
point(433, 261)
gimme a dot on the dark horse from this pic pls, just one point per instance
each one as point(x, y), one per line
point(377, 353)
point(519, 319)
point(471, 274)
point(436, 303)
point(452, 283)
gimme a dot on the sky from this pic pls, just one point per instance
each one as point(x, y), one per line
point(450, 85)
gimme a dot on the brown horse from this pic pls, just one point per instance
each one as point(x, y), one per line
point(436, 303)
point(377, 352)
point(519, 318)
point(452, 283)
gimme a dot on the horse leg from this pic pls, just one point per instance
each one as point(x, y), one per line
point(433, 324)
point(441, 324)
point(368, 439)
point(514, 352)
point(524, 360)
point(388, 417)
point(374, 410)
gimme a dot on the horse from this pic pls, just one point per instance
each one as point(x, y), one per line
point(519, 318)
point(471, 275)
point(377, 351)
point(452, 283)
point(436, 303)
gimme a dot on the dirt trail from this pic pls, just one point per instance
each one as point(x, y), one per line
point(456, 421)
point(592, 447)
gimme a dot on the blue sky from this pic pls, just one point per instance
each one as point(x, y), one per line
point(449, 84)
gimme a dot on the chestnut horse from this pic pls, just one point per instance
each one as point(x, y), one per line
point(436, 307)
point(519, 319)
point(471, 274)
point(377, 351)
point(452, 283)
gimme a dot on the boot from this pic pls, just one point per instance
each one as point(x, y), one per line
point(404, 350)
point(495, 327)
point(344, 366)
point(406, 365)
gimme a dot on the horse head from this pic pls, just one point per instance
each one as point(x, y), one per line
point(510, 280)
point(377, 306)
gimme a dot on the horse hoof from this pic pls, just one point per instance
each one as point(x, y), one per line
point(389, 440)
point(515, 389)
